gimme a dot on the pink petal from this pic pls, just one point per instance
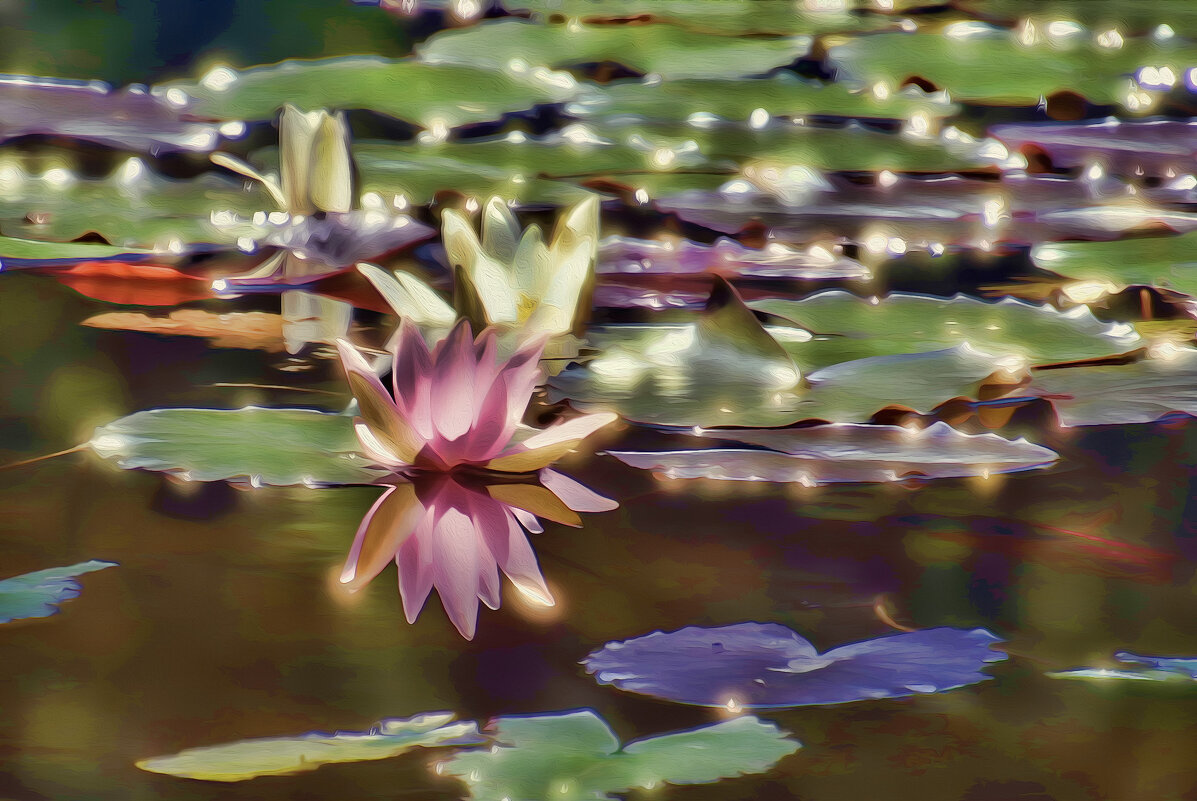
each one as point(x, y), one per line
point(453, 385)
point(388, 425)
point(527, 520)
point(542, 449)
point(575, 495)
point(415, 574)
point(412, 377)
point(390, 521)
point(519, 563)
point(455, 569)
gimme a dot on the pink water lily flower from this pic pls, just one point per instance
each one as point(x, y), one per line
point(457, 405)
point(454, 533)
point(448, 521)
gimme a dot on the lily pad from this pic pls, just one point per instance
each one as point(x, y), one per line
point(761, 16)
point(1163, 261)
point(661, 49)
point(427, 95)
point(981, 64)
point(36, 253)
point(752, 100)
point(758, 665)
point(627, 256)
point(575, 756)
point(1100, 15)
point(38, 594)
point(278, 447)
point(1139, 392)
point(1139, 668)
point(249, 330)
point(844, 327)
point(92, 111)
point(845, 453)
point(283, 756)
point(1152, 147)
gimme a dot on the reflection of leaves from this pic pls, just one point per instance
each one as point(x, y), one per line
point(38, 594)
point(1142, 668)
point(575, 756)
point(846, 453)
point(446, 94)
point(261, 446)
point(768, 665)
point(252, 330)
point(281, 756)
point(654, 48)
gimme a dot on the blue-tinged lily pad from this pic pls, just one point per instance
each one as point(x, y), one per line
point(92, 111)
point(671, 52)
point(576, 757)
point(278, 447)
point(1135, 667)
point(845, 453)
point(38, 594)
point(281, 756)
point(426, 95)
point(1153, 147)
point(768, 665)
point(620, 255)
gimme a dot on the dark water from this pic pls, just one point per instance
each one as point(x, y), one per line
point(224, 622)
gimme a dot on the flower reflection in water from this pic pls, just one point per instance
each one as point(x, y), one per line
point(468, 478)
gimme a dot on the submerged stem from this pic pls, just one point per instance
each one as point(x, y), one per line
point(24, 462)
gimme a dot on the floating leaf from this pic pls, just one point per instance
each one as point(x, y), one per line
point(92, 111)
point(36, 253)
point(252, 330)
point(847, 327)
point(979, 63)
point(751, 100)
point(132, 208)
point(427, 95)
point(1143, 668)
point(626, 256)
point(1123, 147)
point(845, 453)
point(575, 756)
point(1101, 15)
point(283, 756)
point(761, 16)
point(134, 284)
point(1099, 267)
point(38, 594)
point(664, 50)
point(1140, 392)
point(261, 446)
point(768, 665)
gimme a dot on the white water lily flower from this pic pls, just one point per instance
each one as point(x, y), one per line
point(315, 163)
point(520, 283)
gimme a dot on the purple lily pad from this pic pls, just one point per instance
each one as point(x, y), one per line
point(623, 255)
point(934, 214)
point(768, 665)
point(1140, 147)
point(128, 118)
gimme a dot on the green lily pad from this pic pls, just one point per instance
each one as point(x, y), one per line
point(744, 100)
point(1163, 261)
point(132, 208)
point(1139, 392)
point(279, 447)
point(976, 63)
point(38, 594)
point(759, 16)
point(427, 95)
point(282, 756)
point(36, 253)
point(846, 327)
point(576, 757)
point(1100, 15)
point(665, 50)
